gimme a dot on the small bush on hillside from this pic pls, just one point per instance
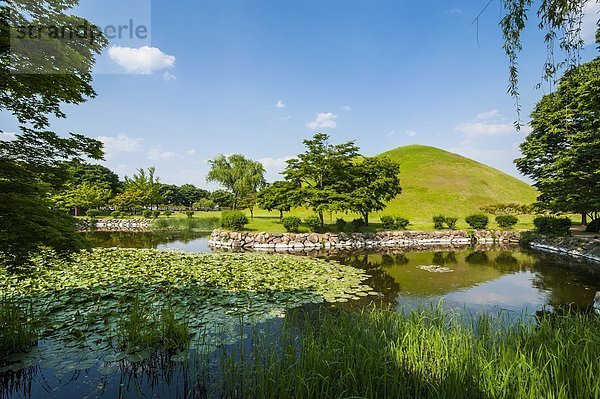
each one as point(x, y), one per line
point(593, 226)
point(168, 213)
point(388, 222)
point(402, 223)
point(291, 223)
point(451, 222)
point(147, 214)
point(234, 220)
point(438, 222)
point(189, 214)
point(357, 224)
point(340, 224)
point(155, 214)
point(506, 221)
point(92, 213)
point(552, 225)
point(115, 214)
point(477, 222)
point(313, 223)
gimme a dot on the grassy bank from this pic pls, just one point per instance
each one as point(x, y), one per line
point(420, 354)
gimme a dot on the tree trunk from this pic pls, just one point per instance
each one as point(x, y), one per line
point(366, 217)
point(280, 215)
point(321, 218)
point(584, 218)
point(251, 213)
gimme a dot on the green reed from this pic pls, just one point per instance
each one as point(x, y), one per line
point(431, 353)
point(18, 327)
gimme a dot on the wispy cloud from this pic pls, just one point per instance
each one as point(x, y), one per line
point(8, 136)
point(347, 108)
point(486, 124)
point(280, 104)
point(589, 23)
point(411, 133)
point(274, 166)
point(142, 60)
point(168, 76)
point(191, 151)
point(454, 11)
point(120, 144)
point(157, 154)
point(323, 121)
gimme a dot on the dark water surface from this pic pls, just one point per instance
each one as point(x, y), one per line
point(483, 279)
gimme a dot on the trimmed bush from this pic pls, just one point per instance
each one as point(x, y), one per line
point(92, 213)
point(506, 221)
point(438, 222)
point(340, 224)
point(451, 222)
point(189, 214)
point(477, 222)
point(291, 223)
point(168, 213)
point(593, 226)
point(147, 214)
point(357, 224)
point(234, 220)
point(314, 223)
point(402, 223)
point(552, 225)
point(155, 214)
point(115, 214)
point(388, 222)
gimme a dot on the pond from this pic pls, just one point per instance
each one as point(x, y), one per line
point(482, 279)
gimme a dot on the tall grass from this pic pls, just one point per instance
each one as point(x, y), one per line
point(18, 327)
point(198, 224)
point(419, 354)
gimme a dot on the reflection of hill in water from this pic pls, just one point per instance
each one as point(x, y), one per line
point(469, 268)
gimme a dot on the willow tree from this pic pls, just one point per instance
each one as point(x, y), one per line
point(238, 174)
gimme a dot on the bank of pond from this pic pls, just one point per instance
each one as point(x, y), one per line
point(157, 315)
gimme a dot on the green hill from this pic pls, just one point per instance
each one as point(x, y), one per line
point(435, 181)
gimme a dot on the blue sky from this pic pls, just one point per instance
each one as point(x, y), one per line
point(258, 77)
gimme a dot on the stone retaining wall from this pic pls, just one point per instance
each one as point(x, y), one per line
point(385, 239)
point(584, 248)
point(116, 224)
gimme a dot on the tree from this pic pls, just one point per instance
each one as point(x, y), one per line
point(85, 195)
point(146, 186)
point(94, 175)
point(32, 168)
point(375, 182)
point(205, 204)
point(222, 198)
point(561, 153)
point(190, 194)
point(323, 174)
point(237, 174)
point(280, 196)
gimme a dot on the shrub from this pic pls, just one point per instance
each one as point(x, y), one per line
point(438, 222)
point(115, 214)
point(189, 214)
point(340, 224)
point(506, 221)
point(388, 222)
point(593, 226)
point(92, 213)
point(291, 223)
point(314, 223)
point(357, 224)
point(147, 214)
point(402, 223)
point(477, 222)
point(155, 214)
point(168, 213)
point(552, 226)
point(451, 222)
point(233, 220)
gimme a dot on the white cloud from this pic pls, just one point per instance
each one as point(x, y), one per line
point(119, 144)
point(274, 166)
point(590, 19)
point(191, 151)
point(323, 121)
point(455, 11)
point(142, 60)
point(488, 114)
point(156, 154)
point(487, 124)
point(411, 133)
point(391, 133)
point(168, 76)
point(8, 136)
point(347, 108)
point(280, 104)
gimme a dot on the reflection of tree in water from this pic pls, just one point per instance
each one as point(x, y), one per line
point(444, 258)
point(506, 262)
point(477, 258)
point(139, 239)
point(379, 279)
point(568, 284)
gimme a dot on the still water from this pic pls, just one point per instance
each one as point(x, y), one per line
point(484, 279)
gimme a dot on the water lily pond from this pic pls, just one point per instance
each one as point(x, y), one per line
point(81, 304)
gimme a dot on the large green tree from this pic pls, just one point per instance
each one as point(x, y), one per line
point(375, 181)
point(323, 174)
point(94, 174)
point(239, 175)
point(36, 79)
point(562, 152)
point(145, 187)
point(279, 196)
